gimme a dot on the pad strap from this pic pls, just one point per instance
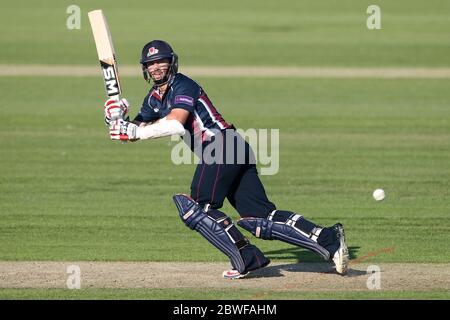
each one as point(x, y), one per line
point(227, 224)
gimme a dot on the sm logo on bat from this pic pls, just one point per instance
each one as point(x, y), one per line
point(111, 81)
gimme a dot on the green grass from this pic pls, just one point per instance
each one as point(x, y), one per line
point(201, 294)
point(284, 32)
point(68, 193)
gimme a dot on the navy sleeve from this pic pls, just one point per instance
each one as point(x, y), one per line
point(146, 114)
point(185, 95)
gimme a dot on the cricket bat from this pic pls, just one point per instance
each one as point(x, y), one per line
point(106, 53)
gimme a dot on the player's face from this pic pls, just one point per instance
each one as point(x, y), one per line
point(158, 69)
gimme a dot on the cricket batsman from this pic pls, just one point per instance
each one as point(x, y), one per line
point(177, 105)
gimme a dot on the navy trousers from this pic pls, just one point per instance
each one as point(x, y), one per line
point(235, 180)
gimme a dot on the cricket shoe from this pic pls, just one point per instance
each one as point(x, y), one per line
point(233, 274)
point(341, 257)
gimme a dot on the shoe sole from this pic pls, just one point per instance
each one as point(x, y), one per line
point(238, 275)
point(234, 276)
point(343, 260)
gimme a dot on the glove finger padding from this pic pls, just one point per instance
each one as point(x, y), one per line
point(122, 130)
point(115, 110)
point(114, 129)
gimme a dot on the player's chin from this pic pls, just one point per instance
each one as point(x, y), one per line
point(157, 77)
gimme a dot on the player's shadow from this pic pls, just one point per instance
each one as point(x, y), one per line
point(306, 262)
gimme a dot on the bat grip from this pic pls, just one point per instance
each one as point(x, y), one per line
point(115, 97)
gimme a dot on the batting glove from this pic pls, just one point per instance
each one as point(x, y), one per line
point(115, 110)
point(123, 130)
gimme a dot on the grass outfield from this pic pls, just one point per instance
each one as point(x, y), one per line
point(252, 32)
point(68, 193)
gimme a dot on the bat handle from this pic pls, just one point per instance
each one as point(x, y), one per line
point(115, 97)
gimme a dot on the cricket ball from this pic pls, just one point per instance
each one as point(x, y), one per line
point(379, 194)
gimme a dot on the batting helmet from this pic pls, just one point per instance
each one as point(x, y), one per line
point(157, 50)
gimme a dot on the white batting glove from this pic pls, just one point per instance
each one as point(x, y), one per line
point(115, 110)
point(123, 130)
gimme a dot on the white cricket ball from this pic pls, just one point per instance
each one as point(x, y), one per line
point(379, 194)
